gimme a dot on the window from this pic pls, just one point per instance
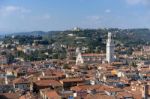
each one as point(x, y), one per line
point(16, 86)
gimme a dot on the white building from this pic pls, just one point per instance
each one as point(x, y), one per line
point(89, 58)
point(110, 49)
point(3, 60)
point(79, 59)
point(21, 83)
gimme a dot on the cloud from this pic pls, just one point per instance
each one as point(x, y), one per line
point(135, 2)
point(107, 11)
point(8, 10)
point(93, 18)
point(40, 17)
point(46, 16)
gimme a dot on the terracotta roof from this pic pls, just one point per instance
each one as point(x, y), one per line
point(72, 80)
point(52, 95)
point(98, 96)
point(121, 95)
point(9, 96)
point(51, 72)
point(29, 96)
point(137, 94)
point(48, 83)
point(96, 87)
point(20, 80)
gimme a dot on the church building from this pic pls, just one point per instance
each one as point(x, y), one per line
point(94, 58)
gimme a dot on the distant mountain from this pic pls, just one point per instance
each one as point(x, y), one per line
point(97, 37)
point(33, 33)
point(129, 37)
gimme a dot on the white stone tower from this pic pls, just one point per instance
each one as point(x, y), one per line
point(110, 49)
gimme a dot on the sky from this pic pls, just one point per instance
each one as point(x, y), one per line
point(47, 15)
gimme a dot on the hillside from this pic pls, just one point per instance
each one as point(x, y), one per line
point(93, 37)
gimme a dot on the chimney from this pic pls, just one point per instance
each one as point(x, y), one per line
point(145, 92)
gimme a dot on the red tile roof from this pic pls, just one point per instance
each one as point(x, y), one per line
point(72, 80)
point(48, 83)
point(52, 95)
point(9, 96)
point(20, 81)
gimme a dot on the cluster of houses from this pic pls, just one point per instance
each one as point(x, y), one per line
point(89, 76)
point(48, 80)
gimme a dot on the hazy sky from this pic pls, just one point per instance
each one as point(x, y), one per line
point(30, 15)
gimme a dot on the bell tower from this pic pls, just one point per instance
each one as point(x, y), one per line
point(110, 48)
